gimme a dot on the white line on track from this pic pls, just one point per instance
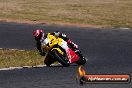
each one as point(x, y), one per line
point(1, 48)
point(125, 28)
point(13, 68)
point(37, 66)
point(11, 49)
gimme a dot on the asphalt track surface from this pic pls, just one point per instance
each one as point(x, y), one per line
point(109, 51)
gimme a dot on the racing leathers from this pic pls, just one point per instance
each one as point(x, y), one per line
point(70, 44)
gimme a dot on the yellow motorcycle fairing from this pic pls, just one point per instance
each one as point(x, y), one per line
point(59, 50)
point(52, 41)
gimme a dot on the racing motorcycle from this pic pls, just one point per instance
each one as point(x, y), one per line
point(53, 45)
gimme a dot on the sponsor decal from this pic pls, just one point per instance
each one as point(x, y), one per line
point(82, 77)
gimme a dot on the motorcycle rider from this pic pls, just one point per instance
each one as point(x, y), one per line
point(40, 36)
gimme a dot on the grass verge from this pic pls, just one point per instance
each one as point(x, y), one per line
point(13, 58)
point(117, 13)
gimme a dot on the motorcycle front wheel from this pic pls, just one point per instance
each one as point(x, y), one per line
point(60, 58)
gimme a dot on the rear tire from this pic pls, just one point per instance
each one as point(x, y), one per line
point(81, 61)
point(60, 58)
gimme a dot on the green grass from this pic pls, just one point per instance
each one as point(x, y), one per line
point(117, 13)
point(13, 58)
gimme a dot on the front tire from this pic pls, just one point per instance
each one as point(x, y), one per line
point(60, 58)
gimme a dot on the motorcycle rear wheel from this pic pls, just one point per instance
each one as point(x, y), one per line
point(49, 60)
point(81, 61)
